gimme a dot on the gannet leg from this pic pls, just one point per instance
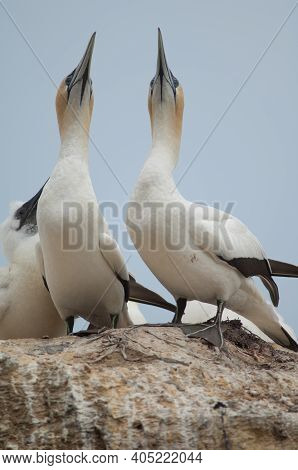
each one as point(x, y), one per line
point(181, 304)
point(218, 318)
point(114, 320)
point(213, 333)
point(70, 323)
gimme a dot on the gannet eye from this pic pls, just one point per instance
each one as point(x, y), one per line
point(175, 81)
point(19, 213)
point(69, 78)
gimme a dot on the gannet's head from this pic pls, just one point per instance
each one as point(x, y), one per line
point(25, 215)
point(165, 101)
point(74, 100)
point(20, 224)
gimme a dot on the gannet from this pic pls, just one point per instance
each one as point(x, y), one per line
point(90, 280)
point(217, 253)
point(26, 309)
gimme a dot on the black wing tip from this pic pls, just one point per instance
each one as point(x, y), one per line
point(275, 296)
point(143, 295)
point(126, 286)
point(293, 344)
point(281, 269)
point(271, 286)
point(165, 305)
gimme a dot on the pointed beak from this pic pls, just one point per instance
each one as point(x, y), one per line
point(26, 214)
point(163, 73)
point(82, 72)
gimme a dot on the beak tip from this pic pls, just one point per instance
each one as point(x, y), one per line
point(93, 37)
point(160, 41)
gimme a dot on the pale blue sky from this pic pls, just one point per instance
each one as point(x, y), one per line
point(212, 46)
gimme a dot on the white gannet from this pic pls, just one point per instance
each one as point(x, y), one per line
point(91, 279)
point(196, 252)
point(26, 309)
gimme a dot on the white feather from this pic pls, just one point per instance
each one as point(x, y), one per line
point(26, 308)
point(135, 314)
point(225, 235)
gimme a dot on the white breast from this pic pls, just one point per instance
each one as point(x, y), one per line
point(26, 309)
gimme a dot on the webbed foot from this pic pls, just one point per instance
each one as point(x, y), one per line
point(211, 333)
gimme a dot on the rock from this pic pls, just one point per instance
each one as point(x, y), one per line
point(147, 388)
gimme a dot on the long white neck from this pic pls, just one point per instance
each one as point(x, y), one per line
point(166, 140)
point(75, 137)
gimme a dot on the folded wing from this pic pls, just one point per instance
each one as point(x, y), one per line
point(229, 240)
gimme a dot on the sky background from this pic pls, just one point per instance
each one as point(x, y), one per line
point(241, 106)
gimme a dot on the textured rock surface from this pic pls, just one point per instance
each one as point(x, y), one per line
point(147, 387)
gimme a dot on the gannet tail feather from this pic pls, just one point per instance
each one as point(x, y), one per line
point(292, 341)
point(142, 295)
point(264, 316)
point(281, 269)
point(279, 338)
